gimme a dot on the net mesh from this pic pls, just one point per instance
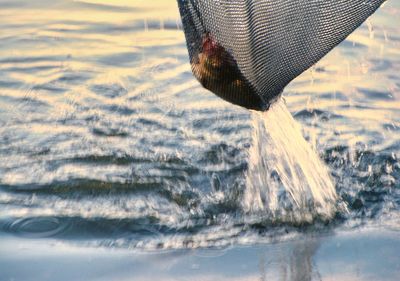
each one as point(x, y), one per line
point(247, 51)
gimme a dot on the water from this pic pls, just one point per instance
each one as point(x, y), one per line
point(285, 177)
point(107, 139)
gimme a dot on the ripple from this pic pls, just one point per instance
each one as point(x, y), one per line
point(381, 65)
point(10, 84)
point(109, 90)
point(376, 94)
point(103, 7)
point(121, 109)
point(323, 115)
point(37, 227)
point(127, 59)
point(48, 87)
point(31, 59)
point(109, 132)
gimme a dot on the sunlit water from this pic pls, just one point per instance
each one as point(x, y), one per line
point(285, 177)
point(107, 139)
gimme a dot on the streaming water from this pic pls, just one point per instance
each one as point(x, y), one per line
point(285, 176)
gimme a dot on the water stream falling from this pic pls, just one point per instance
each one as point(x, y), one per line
point(286, 178)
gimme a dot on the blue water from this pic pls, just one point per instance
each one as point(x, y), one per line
point(107, 139)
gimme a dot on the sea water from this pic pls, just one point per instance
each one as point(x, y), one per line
point(106, 138)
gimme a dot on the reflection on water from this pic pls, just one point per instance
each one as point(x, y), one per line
point(365, 256)
point(293, 262)
point(106, 137)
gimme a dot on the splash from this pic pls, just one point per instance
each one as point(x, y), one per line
point(286, 180)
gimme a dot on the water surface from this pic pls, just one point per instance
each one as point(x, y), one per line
point(107, 139)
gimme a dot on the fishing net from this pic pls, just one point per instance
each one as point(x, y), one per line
point(247, 51)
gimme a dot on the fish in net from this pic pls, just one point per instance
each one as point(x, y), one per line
point(247, 51)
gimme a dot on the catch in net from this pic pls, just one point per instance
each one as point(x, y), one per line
point(247, 51)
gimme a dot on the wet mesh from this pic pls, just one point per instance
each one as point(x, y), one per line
point(247, 51)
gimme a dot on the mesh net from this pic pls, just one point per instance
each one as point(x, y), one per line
point(247, 51)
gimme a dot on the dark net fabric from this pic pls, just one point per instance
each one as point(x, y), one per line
point(247, 51)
